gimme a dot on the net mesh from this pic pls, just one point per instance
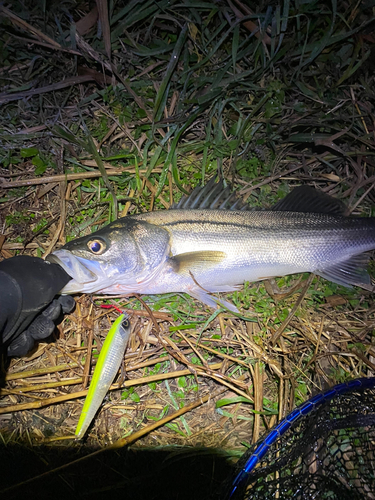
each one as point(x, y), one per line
point(325, 449)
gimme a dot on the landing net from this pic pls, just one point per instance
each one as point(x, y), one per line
point(324, 449)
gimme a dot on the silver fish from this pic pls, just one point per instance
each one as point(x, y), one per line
point(201, 246)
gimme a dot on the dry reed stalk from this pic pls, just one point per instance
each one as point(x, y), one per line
point(68, 397)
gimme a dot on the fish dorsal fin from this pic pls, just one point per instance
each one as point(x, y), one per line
point(214, 195)
point(310, 200)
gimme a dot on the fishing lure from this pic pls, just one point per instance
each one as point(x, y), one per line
point(109, 362)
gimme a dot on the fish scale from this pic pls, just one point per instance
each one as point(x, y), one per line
point(308, 240)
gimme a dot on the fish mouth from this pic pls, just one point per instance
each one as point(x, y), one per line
point(84, 273)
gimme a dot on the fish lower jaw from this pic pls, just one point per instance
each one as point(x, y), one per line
point(93, 287)
point(118, 289)
point(100, 287)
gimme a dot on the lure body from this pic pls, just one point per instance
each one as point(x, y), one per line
point(109, 362)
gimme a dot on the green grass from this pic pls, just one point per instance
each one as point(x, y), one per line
point(192, 92)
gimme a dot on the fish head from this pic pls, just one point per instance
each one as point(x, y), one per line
point(115, 259)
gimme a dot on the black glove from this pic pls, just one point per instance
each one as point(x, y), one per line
point(28, 310)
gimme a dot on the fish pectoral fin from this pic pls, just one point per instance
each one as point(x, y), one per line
point(195, 262)
point(192, 264)
point(352, 271)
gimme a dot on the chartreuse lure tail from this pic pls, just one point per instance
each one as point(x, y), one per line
point(109, 362)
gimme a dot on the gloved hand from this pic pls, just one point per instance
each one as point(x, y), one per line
point(28, 310)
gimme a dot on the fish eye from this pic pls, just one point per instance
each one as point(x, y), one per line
point(125, 323)
point(96, 246)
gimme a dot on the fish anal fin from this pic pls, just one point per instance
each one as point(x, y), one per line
point(308, 199)
point(195, 262)
point(352, 271)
